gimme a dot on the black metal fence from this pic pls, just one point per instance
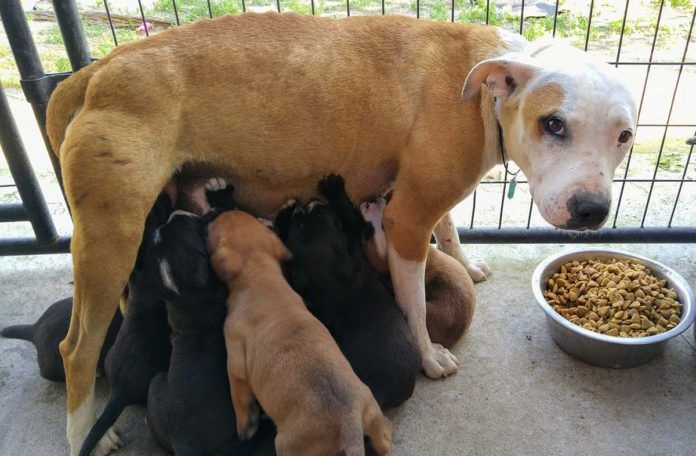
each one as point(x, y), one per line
point(37, 87)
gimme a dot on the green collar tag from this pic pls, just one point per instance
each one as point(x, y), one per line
point(511, 189)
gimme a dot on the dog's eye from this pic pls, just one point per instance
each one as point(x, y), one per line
point(555, 126)
point(625, 136)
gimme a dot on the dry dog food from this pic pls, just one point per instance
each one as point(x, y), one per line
point(613, 297)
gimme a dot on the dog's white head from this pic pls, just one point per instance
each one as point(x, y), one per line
point(568, 121)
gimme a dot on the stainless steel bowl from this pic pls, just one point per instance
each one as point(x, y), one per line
point(600, 349)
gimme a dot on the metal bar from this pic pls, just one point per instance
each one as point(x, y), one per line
point(210, 10)
point(649, 64)
point(23, 175)
point(30, 69)
point(473, 210)
point(383, 12)
point(13, 212)
point(488, 10)
point(529, 215)
point(111, 22)
point(681, 184)
point(73, 36)
point(502, 200)
point(669, 116)
point(661, 235)
point(314, 13)
point(522, 17)
point(176, 11)
point(667, 125)
point(142, 14)
point(277, 4)
point(555, 19)
point(29, 246)
point(640, 109)
point(348, 7)
point(621, 36)
point(589, 24)
point(417, 9)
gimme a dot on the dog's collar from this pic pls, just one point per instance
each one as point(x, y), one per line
point(501, 145)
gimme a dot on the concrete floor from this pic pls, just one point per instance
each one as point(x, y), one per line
point(516, 392)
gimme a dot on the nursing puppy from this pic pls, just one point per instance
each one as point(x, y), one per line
point(329, 270)
point(449, 290)
point(189, 406)
point(282, 356)
point(49, 330)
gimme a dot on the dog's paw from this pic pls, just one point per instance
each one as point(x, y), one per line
point(331, 185)
point(109, 443)
point(478, 270)
point(252, 424)
point(439, 362)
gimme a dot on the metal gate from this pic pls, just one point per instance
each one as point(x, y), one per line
point(37, 87)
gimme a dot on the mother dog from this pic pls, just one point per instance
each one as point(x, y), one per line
point(276, 102)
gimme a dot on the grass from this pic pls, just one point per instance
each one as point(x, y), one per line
point(674, 153)
point(191, 10)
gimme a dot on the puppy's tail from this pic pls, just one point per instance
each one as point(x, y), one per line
point(107, 419)
point(24, 332)
point(65, 103)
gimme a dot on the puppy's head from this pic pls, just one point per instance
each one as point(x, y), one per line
point(323, 252)
point(235, 236)
point(176, 259)
point(568, 121)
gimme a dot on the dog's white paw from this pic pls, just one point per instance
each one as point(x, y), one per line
point(109, 443)
point(288, 203)
point(478, 270)
point(439, 362)
point(216, 183)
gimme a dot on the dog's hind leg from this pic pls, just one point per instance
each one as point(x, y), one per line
point(113, 168)
point(448, 241)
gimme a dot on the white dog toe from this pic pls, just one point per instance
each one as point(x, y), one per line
point(439, 362)
point(478, 270)
point(109, 443)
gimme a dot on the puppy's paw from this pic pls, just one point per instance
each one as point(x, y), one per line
point(478, 270)
point(331, 186)
point(439, 362)
point(109, 443)
point(216, 183)
point(252, 425)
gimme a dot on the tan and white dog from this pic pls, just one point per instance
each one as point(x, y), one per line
point(275, 102)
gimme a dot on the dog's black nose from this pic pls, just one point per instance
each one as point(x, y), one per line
point(587, 210)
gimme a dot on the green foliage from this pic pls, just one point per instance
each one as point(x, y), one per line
point(191, 10)
point(673, 157)
point(439, 11)
point(680, 3)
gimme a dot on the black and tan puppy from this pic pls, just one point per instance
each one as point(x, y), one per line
point(142, 347)
point(189, 407)
point(329, 270)
point(49, 330)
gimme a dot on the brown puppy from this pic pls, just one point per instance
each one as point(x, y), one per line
point(450, 296)
point(278, 353)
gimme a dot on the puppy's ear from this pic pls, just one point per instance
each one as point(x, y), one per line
point(502, 76)
point(226, 264)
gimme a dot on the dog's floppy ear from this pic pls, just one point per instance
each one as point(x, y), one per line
point(226, 263)
point(501, 75)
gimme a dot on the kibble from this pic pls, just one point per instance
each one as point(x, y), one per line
point(614, 297)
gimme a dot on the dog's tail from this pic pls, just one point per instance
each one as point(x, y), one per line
point(24, 332)
point(112, 411)
point(65, 103)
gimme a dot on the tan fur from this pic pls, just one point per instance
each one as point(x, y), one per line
point(541, 102)
point(273, 103)
point(281, 355)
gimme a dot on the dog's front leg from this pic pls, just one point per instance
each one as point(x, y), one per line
point(448, 241)
point(408, 236)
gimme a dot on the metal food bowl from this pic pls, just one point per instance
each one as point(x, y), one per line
point(600, 349)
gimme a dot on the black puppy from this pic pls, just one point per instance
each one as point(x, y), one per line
point(47, 333)
point(190, 407)
point(331, 273)
point(142, 347)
